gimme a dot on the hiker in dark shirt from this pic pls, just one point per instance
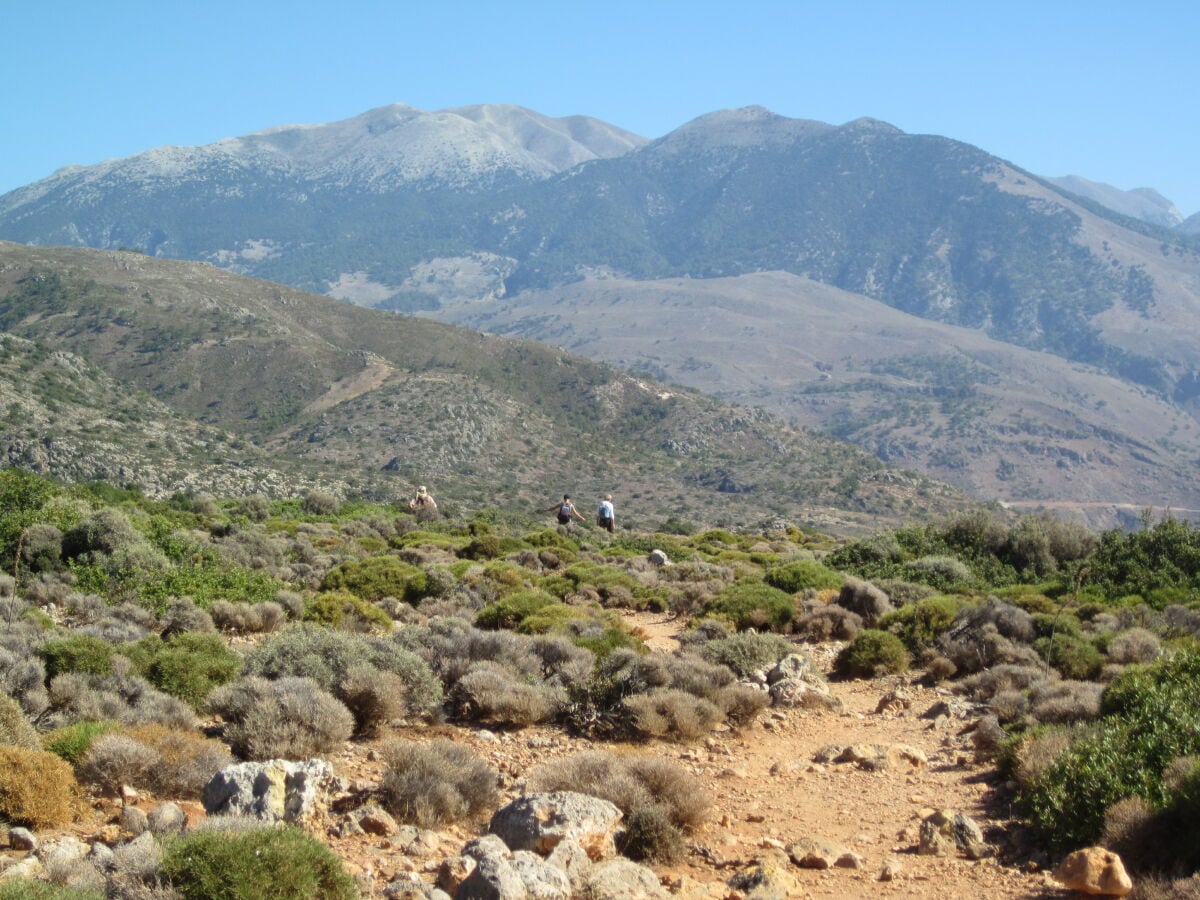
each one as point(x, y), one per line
point(566, 511)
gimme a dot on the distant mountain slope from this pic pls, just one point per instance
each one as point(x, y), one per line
point(1145, 204)
point(413, 211)
point(1003, 422)
point(384, 401)
point(305, 203)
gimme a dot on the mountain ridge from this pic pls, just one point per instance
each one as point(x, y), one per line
point(923, 224)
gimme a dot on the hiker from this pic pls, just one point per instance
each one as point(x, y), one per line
point(606, 517)
point(566, 511)
point(423, 504)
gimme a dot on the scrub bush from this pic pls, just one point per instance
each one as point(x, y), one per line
point(752, 604)
point(871, 654)
point(37, 788)
point(435, 783)
point(281, 863)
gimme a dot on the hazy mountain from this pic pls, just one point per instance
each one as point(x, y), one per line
point(1191, 225)
point(1145, 204)
point(376, 402)
point(463, 213)
point(308, 203)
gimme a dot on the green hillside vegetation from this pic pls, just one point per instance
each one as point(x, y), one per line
point(1082, 648)
point(367, 403)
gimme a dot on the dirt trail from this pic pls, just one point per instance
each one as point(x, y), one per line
point(767, 793)
point(372, 376)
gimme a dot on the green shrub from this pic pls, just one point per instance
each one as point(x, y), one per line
point(37, 788)
point(342, 609)
point(81, 653)
point(1149, 717)
point(377, 577)
point(1073, 656)
point(71, 742)
point(187, 665)
point(872, 653)
point(28, 889)
point(319, 503)
point(941, 572)
point(746, 653)
point(280, 863)
point(510, 611)
point(802, 574)
point(752, 604)
point(485, 546)
point(436, 783)
point(920, 623)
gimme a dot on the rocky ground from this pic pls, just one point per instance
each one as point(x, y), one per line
point(774, 786)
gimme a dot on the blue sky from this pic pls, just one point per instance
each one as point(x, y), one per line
point(1102, 89)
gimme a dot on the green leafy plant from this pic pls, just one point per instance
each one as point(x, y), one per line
point(283, 863)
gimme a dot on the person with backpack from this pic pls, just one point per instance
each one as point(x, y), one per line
point(423, 504)
point(606, 516)
point(566, 511)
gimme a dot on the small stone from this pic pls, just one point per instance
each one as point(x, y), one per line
point(22, 839)
point(1095, 871)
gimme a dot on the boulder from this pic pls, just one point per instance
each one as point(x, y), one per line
point(894, 701)
point(538, 822)
point(493, 878)
point(22, 839)
point(374, 819)
point(1095, 871)
point(796, 665)
point(796, 693)
point(658, 558)
point(453, 871)
point(815, 853)
point(413, 890)
point(30, 867)
point(140, 857)
point(947, 830)
point(274, 791)
point(542, 881)
point(869, 757)
point(62, 851)
point(572, 859)
point(622, 879)
point(767, 878)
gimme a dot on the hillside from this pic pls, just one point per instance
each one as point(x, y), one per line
point(380, 403)
point(1005, 423)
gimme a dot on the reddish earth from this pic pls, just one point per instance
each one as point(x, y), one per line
point(767, 792)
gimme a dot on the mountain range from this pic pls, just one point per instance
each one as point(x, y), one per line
point(1033, 340)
